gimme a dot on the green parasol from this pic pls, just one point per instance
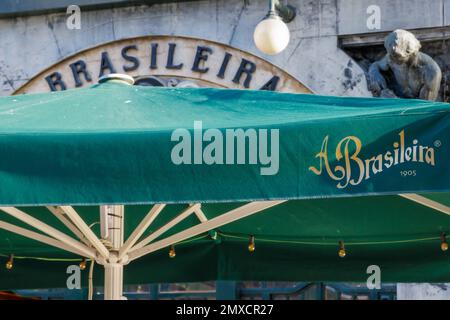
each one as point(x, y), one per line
point(206, 174)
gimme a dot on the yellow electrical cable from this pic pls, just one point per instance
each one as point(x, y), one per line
point(91, 280)
point(245, 238)
point(80, 259)
point(192, 240)
point(259, 239)
point(44, 258)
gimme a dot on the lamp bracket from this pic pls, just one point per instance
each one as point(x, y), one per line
point(286, 12)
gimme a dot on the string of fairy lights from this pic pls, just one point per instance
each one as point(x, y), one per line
point(342, 253)
point(11, 258)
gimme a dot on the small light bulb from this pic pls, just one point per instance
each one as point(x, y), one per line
point(342, 252)
point(83, 264)
point(10, 263)
point(251, 244)
point(444, 244)
point(172, 252)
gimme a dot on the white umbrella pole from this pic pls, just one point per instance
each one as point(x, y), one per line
point(112, 222)
point(114, 281)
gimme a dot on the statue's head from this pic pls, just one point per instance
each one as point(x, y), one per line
point(402, 46)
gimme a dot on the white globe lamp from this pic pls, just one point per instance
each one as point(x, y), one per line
point(272, 35)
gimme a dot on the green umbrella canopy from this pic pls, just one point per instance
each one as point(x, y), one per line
point(113, 144)
point(341, 163)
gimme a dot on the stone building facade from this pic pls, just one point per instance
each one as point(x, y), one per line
point(331, 46)
point(332, 41)
point(34, 41)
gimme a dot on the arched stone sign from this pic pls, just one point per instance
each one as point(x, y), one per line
point(168, 61)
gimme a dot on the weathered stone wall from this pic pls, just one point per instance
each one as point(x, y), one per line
point(31, 44)
point(423, 291)
point(394, 14)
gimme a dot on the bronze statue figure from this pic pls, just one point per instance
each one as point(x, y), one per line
point(415, 74)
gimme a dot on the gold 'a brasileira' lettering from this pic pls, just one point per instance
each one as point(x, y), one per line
point(323, 156)
point(351, 169)
point(347, 172)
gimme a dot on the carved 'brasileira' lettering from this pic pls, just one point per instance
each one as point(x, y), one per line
point(237, 70)
point(351, 169)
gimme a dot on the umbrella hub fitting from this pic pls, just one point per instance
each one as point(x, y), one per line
point(113, 259)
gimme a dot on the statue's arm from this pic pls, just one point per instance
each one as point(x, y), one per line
point(432, 76)
point(376, 81)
